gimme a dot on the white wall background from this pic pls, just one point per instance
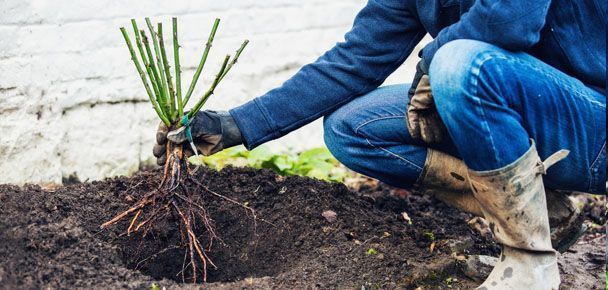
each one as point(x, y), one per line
point(72, 104)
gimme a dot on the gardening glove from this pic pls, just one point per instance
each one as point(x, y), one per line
point(211, 132)
point(423, 121)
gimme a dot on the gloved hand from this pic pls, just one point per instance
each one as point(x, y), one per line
point(211, 132)
point(423, 121)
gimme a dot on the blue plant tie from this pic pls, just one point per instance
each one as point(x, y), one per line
point(186, 124)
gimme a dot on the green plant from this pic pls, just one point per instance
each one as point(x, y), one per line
point(166, 99)
point(449, 281)
point(316, 162)
point(371, 251)
point(165, 94)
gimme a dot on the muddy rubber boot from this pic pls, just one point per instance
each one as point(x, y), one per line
point(445, 178)
point(565, 219)
point(513, 201)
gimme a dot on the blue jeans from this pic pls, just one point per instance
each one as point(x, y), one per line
point(492, 102)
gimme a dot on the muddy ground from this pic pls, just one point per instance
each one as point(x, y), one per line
point(50, 238)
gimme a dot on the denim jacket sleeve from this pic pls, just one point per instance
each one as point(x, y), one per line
point(384, 33)
point(509, 24)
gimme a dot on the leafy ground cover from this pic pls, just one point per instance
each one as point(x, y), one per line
point(316, 162)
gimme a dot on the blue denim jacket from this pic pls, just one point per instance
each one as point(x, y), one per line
point(569, 35)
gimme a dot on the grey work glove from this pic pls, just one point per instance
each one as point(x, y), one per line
point(211, 132)
point(423, 121)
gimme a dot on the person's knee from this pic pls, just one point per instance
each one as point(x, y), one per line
point(455, 74)
point(330, 133)
point(337, 133)
point(346, 139)
point(457, 60)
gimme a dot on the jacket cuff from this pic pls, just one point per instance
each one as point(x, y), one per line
point(253, 124)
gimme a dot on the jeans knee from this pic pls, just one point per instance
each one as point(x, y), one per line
point(455, 73)
point(454, 60)
point(335, 134)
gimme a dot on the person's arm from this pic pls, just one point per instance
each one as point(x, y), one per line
point(384, 33)
point(509, 24)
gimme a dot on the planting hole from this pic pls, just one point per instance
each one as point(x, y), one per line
point(243, 253)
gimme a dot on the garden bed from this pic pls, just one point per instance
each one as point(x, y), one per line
point(51, 237)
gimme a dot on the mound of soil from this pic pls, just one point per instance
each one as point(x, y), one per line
point(51, 238)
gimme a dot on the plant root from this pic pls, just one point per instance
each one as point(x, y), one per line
point(172, 197)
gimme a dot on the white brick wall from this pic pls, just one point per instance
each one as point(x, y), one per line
point(71, 103)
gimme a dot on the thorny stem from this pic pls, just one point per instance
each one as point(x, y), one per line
point(197, 73)
point(159, 63)
point(220, 76)
point(235, 59)
point(211, 89)
point(160, 97)
point(142, 75)
point(178, 71)
point(167, 68)
point(145, 60)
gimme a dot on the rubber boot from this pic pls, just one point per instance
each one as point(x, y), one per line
point(565, 220)
point(513, 201)
point(445, 178)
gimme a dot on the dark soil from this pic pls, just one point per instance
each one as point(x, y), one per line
point(51, 238)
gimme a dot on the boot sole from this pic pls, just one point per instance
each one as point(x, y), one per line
point(564, 244)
